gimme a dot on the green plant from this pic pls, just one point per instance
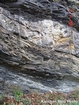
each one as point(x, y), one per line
point(1, 96)
point(75, 103)
point(1, 99)
point(18, 94)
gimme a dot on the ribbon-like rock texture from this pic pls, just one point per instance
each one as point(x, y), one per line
point(35, 37)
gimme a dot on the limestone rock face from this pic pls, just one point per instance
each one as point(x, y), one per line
point(38, 44)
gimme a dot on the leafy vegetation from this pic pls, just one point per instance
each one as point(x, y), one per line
point(54, 98)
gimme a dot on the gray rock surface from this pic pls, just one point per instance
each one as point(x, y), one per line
point(38, 45)
point(46, 9)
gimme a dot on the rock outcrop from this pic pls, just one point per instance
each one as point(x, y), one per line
point(34, 38)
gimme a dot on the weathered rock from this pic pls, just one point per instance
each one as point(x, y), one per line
point(74, 6)
point(39, 45)
point(44, 9)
